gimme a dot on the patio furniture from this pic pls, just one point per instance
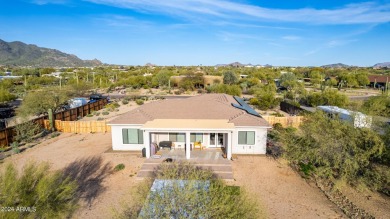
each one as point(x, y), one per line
point(198, 145)
point(165, 144)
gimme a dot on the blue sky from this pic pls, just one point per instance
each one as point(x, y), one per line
point(205, 32)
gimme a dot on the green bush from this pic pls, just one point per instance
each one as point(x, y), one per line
point(119, 167)
point(139, 101)
point(327, 97)
point(124, 102)
point(112, 106)
point(26, 131)
point(90, 115)
point(15, 147)
point(234, 90)
point(97, 114)
point(55, 134)
point(336, 150)
point(47, 194)
point(105, 113)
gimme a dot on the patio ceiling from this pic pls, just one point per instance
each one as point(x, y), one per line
point(189, 124)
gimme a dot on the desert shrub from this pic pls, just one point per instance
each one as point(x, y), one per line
point(277, 114)
point(336, 150)
point(119, 167)
point(327, 97)
point(112, 106)
point(47, 194)
point(105, 113)
point(100, 119)
point(97, 114)
point(178, 92)
point(124, 102)
point(234, 90)
point(197, 194)
point(15, 147)
point(90, 115)
point(139, 101)
point(26, 131)
point(55, 134)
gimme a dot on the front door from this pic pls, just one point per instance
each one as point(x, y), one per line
point(216, 140)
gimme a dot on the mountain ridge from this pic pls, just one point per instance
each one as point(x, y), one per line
point(18, 53)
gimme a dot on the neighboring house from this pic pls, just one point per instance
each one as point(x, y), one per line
point(215, 120)
point(379, 80)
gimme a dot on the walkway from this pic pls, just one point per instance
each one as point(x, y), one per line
point(208, 159)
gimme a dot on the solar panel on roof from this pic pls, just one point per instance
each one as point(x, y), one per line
point(245, 106)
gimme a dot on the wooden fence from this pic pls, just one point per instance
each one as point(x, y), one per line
point(7, 135)
point(80, 126)
point(293, 121)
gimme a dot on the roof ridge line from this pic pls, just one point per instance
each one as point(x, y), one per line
point(145, 113)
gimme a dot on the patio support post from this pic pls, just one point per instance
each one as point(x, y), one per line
point(188, 145)
point(229, 146)
point(147, 143)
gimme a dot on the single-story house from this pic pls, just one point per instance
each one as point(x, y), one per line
point(378, 80)
point(214, 120)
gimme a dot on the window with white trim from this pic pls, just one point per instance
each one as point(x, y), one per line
point(246, 137)
point(177, 137)
point(132, 136)
point(196, 137)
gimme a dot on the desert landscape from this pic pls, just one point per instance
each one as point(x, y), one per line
point(279, 191)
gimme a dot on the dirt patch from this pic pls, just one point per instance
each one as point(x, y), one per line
point(83, 158)
point(281, 191)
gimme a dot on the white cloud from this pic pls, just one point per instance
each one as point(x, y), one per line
point(359, 13)
point(290, 37)
point(45, 2)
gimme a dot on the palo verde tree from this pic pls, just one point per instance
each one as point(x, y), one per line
point(40, 101)
point(230, 78)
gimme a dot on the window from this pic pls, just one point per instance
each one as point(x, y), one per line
point(132, 136)
point(177, 137)
point(246, 138)
point(195, 137)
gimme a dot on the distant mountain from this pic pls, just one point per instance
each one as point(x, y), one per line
point(21, 54)
point(382, 65)
point(234, 64)
point(337, 65)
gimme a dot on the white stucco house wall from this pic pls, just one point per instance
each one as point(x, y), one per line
point(215, 120)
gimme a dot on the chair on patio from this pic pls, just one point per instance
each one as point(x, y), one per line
point(198, 145)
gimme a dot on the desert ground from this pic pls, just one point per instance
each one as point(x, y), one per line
point(279, 191)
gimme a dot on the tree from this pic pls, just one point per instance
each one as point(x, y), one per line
point(44, 194)
point(190, 192)
point(6, 96)
point(362, 78)
point(377, 106)
point(316, 77)
point(327, 97)
point(289, 81)
point(162, 78)
point(266, 97)
point(230, 78)
point(39, 102)
point(191, 81)
point(336, 150)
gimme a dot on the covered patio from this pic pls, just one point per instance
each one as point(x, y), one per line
point(214, 137)
point(196, 155)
